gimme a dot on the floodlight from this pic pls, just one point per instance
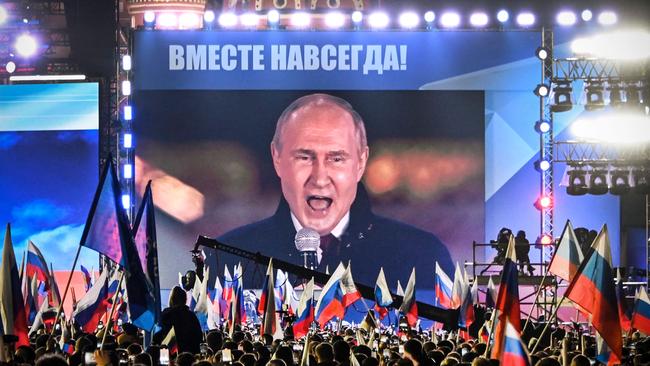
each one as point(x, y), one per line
point(126, 62)
point(598, 182)
point(249, 20)
point(25, 45)
point(300, 20)
point(620, 182)
point(334, 20)
point(450, 20)
point(562, 97)
point(273, 18)
point(586, 15)
point(227, 20)
point(577, 183)
point(525, 19)
point(594, 92)
point(479, 19)
point(409, 20)
point(503, 16)
point(378, 20)
point(566, 18)
point(10, 67)
point(208, 16)
point(542, 126)
point(541, 90)
point(126, 87)
point(607, 18)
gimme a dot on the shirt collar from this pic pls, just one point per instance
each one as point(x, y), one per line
point(338, 229)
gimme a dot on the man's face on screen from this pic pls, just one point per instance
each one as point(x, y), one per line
point(319, 162)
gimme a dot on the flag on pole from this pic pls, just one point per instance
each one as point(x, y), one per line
point(594, 291)
point(349, 289)
point(107, 228)
point(12, 311)
point(92, 307)
point(641, 313)
point(330, 303)
point(514, 350)
point(568, 255)
point(443, 288)
point(457, 288)
point(466, 317)
point(623, 311)
point(383, 298)
point(490, 294)
point(87, 278)
point(507, 304)
point(270, 322)
point(409, 307)
point(304, 311)
point(36, 264)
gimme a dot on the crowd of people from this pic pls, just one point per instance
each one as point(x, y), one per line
point(347, 346)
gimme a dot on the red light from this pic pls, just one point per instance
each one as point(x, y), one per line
point(543, 203)
point(546, 239)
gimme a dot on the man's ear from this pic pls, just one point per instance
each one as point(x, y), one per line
point(363, 160)
point(275, 155)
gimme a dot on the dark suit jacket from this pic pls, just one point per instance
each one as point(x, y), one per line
point(369, 242)
point(186, 327)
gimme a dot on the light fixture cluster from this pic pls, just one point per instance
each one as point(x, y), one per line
point(356, 20)
point(600, 180)
point(598, 93)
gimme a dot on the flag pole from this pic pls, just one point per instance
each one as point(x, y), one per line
point(491, 335)
point(539, 289)
point(547, 323)
point(110, 317)
point(65, 292)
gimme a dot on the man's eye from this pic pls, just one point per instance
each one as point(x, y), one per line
point(303, 157)
point(337, 159)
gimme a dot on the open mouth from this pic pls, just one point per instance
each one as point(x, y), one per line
point(319, 203)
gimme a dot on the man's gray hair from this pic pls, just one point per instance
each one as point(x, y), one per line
point(318, 100)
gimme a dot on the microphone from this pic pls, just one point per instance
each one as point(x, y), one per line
point(307, 242)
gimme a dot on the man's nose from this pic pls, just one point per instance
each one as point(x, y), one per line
point(319, 174)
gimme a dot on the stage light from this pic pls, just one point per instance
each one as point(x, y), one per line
point(3, 14)
point(409, 20)
point(249, 20)
point(149, 17)
point(614, 126)
point(208, 16)
point(541, 90)
point(300, 20)
point(25, 45)
point(562, 97)
point(594, 92)
point(10, 67)
point(545, 239)
point(450, 20)
point(128, 171)
point(126, 62)
point(273, 18)
point(378, 20)
point(126, 87)
point(542, 53)
point(334, 20)
point(577, 183)
point(189, 21)
point(167, 20)
point(429, 17)
point(128, 141)
point(126, 201)
point(641, 181)
point(227, 20)
point(542, 165)
point(525, 19)
point(566, 18)
point(503, 16)
point(615, 99)
point(598, 182)
point(607, 18)
point(357, 17)
point(542, 126)
point(543, 203)
point(619, 45)
point(479, 19)
point(620, 182)
point(128, 113)
point(586, 15)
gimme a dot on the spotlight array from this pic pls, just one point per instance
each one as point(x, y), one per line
point(600, 180)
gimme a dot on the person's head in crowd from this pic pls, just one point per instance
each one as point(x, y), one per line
point(446, 344)
point(437, 356)
point(370, 361)
point(41, 340)
point(362, 349)
point(404, 362)
point(548, 361)
point(428, 347)
point(143, 359)
point(238, 336)
point(413, 351)
point(479, 348)
point(207, 363)
point(246, 346)
point(285, 354)
point(449, 361)
point(480, 361)
point(228, 344)
point(455, 355)
point(134, 349)
point(185, 359)
point(263, 354)
point(268, 339)
point(177, 297)
point(276, 362)
point(324, 353)
point(341, 352)
point(580, 360)
point(236, 354)
point(51, 359)
point(248, 359)
point(319, 152)
point(214, 339)
point(25, 354)
point(469, 356)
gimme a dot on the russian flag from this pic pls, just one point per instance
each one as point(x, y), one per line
point(383, 298)
point(443, 288)
point(304, 311)
point(490, 294)
point(349, 289)
point(13, 317)
point(507, 304)
point(330, 303)
point(267, 304)
point(409, 307)
point(604, 354)
point(92, 307)
point(36, 264)
point(457, 289)
point(87, 278)
point(514, 351)
point(594, 292)
point(568, 255)
point(227, 288)
point(466, 317)
point(641, 314)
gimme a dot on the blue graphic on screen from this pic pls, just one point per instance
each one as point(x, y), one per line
point(48, 158)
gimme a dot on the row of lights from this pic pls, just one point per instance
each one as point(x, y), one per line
point(375, 20)
point(127, 136)
point(600, 181)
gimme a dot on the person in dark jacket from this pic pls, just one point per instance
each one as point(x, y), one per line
point(184, 322)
